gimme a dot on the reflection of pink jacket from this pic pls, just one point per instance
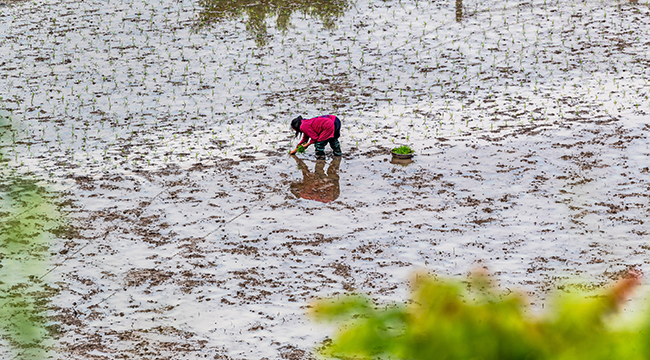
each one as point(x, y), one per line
point(320, 128)
point(318, 185)
point(322, 190)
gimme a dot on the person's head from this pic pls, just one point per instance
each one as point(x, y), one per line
point(295, 125)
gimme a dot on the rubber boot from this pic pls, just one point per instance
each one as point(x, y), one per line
point(336, 147)
point(320, 148)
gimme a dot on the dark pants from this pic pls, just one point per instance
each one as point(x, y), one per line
point(333, 141)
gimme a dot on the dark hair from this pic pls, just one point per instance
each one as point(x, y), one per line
point(295, 125)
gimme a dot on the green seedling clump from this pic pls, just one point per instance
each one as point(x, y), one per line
point(300, 149)
point(404, 149)
point(449, 319)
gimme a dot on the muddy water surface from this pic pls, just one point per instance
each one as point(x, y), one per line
point(222, 258)
point(164, 126)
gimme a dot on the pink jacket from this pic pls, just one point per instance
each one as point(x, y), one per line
point(320, 128)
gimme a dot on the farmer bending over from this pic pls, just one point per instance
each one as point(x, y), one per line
point(321, 130)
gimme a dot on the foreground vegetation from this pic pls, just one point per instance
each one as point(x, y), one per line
point(29, 216)
point(446, 319)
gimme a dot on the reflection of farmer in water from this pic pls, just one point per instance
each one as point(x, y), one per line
point(318, 186)
point(321, 130)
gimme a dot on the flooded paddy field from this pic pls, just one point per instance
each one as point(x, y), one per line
point(189, 232)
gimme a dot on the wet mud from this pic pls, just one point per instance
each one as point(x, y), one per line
point(221, 260)
point(162, 127)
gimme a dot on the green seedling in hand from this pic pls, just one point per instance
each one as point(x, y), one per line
point(299, 149)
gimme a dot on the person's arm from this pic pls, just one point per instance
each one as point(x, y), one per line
point(305, 140)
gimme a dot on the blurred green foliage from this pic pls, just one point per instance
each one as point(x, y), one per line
point(28, 215)
point(447, 319)
point(257, 13)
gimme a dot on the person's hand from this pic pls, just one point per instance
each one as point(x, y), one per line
point(293, 152)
